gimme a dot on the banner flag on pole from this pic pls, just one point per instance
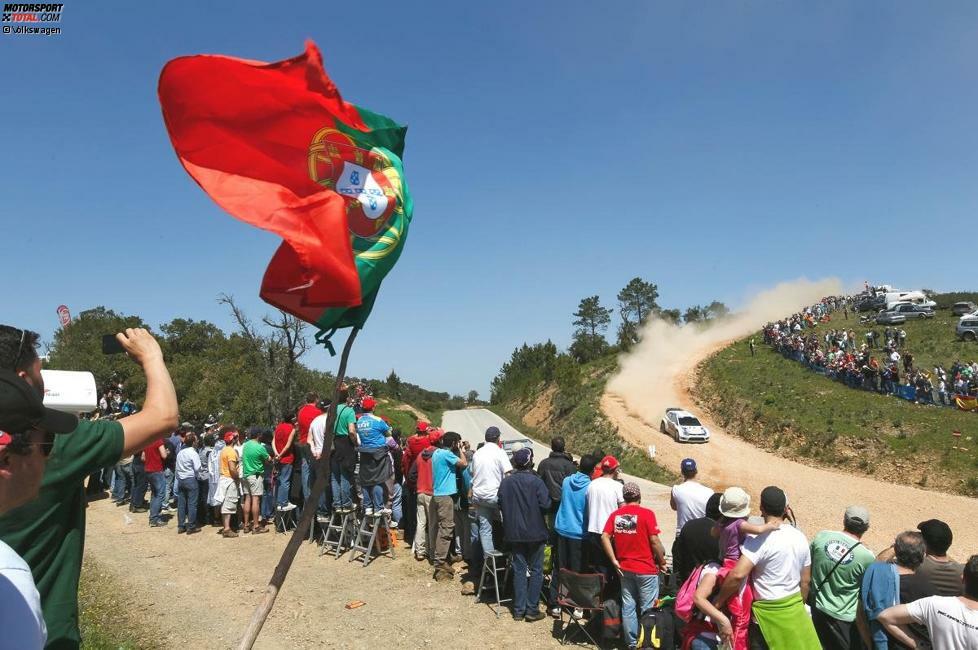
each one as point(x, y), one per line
point(276, 146)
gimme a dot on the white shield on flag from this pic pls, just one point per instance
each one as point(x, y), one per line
point(357, 182)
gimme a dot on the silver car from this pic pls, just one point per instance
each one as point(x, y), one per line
point(967, 329)
point(890, 318)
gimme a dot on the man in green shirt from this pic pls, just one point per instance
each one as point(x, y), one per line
point(49, 532)
point(344, 457)
point(254, 457)
point(839, 561)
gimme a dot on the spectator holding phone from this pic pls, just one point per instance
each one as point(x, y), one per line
point(49, 532)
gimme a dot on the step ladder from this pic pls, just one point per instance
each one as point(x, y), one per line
point(495, 563)
point(340, 532)
point(373, 539)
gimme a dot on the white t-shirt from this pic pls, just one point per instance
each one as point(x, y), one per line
point(187, 463)
point(489, 465)
point(21, 619)
point(779, 557)
point(604, 496)
point(690, 498)
point(317, 434)
point(949, 623)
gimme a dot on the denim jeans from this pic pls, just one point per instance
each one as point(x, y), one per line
point(122, 481)
point(340, 480)
point(486, 512)
point(638, 595)
point(168, 490)
point(703, 644)
point(308, 476)
point(526, 590)
point(373, 497)
point(267, 498)
point(157, 486)
point(137, 498)
point(396, 508)
point(187, 494)
point(283, 483)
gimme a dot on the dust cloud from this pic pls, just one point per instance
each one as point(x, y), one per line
point(646, 381)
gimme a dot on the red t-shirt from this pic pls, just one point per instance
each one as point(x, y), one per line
point(282, 433)
point(630, 527)
point(307, 414)
point(154, 461)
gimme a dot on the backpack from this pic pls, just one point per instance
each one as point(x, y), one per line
point(684, 597)
point(655, 630)
point(611, 619)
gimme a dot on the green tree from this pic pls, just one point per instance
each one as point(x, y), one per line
point(694, 314)
point(394, 384)
point(670, 315)
point(591, 321)
point(637, 300)
point(473, 397)
point(716, 309)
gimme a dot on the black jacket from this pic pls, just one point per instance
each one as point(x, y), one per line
point(523, 499)
point(554, 469)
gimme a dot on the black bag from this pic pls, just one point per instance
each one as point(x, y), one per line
point(655, 630)
point(611, 619)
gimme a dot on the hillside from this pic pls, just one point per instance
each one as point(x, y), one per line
point(781, 406)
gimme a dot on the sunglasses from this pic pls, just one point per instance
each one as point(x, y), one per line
point(22, 445)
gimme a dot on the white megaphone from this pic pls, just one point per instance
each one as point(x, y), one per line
point(70, 391)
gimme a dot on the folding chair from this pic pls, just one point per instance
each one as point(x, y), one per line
point(578, 591)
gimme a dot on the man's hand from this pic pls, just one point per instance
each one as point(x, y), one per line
point(140, 345)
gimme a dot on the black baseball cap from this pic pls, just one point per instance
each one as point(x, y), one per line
point(21, 408)
point(937, 535)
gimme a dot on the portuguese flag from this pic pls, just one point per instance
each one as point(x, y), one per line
point(277, 147)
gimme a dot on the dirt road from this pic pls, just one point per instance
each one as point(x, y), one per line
point(200, 592)
point(818, 496)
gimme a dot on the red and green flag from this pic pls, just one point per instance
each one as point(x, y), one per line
point(277, 147)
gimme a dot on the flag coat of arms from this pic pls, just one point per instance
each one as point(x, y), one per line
point(277, 147)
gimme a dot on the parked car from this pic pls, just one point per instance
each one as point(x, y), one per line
point(683, 426)
point(871, 303)
point(511, 446)
point(890, 318)
point(967, 329)
point(912, 311)
point(963, 308)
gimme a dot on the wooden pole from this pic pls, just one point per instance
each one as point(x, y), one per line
point(264, 608)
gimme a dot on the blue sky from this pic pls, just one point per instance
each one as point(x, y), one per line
point(555, 150)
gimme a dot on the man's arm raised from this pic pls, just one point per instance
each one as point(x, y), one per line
point(159, 414)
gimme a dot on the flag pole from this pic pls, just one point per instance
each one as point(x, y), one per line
point(264, 608)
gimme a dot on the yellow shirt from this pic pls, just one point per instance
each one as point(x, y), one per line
point(228, 456)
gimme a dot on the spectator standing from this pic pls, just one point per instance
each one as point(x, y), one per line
point(374, 458)
point(604, 496)
point(173, 444)
point(283, 439)
point(839, 560)
point(122, 483)
point(951, 621)
point(490, 465)
point(523, 500)
point(637, 556)
point(779, 565)
point(696, 543)
point(412, 447)
point(553, 470)
point(344, 457)
point(137, 500)
point(206, 450)
point(890, 583)
point(153, 458)
point(254, 457)
point(185, 470)
point(27, 437)
point(307, 413)
point(940, 572)
point(227, 487)
point(689, 498)
point(570, 525)
point(445, 489)
point(421, 477)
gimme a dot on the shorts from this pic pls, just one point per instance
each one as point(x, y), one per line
point(230, 504)
point(253, 486)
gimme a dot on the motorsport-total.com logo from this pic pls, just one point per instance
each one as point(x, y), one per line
point(30, 19)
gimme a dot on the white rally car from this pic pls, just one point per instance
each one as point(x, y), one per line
point(683, 426)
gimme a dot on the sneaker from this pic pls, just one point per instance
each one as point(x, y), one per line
point(518, 617)
point(386, 511)
point(534, 616)
point(578, 614)
point(191, 531)
point(420, 558)
point(368, 512)
point(138, 509)
point(180, 531)
point(157, 524)
point(555, 612)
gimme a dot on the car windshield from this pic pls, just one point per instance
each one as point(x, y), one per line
point(509, 444)
point(689, 421)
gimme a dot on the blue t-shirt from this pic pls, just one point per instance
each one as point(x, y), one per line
point(371, 430)
point(443, 473)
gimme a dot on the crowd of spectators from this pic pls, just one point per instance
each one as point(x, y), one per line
point(880, 362)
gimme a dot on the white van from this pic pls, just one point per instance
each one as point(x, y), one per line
point(918, 298)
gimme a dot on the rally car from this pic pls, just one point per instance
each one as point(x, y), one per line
point(683, 426)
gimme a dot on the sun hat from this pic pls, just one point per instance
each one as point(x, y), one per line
point(735, 503)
